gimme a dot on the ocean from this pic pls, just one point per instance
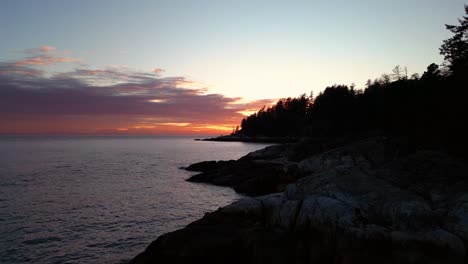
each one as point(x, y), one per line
point(101, 199)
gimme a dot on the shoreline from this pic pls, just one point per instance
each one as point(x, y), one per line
point(258, 139)
point(320, 202)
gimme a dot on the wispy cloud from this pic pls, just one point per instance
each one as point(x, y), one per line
point(158, 70)
point(44, 56)
point(45, 49)
point(7, 69)
point(117, 100)
point(44, 60)
point(40, 50)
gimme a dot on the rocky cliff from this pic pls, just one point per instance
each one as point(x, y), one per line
point(371, 201)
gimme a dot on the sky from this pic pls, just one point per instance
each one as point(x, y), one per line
point(196, 66)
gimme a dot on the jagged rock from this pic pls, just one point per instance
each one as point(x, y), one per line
point(366, 202)
point(275, 152)
point(251, 177)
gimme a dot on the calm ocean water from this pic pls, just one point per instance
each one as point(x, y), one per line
point(101, 199)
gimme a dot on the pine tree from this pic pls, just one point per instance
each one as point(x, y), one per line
point(455, 49)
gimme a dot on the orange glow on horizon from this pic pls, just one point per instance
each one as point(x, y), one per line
point(158, 100)
point(216, 127)
point(175, 129)
point(174, 124)
point(118, 125)
point(143, 127)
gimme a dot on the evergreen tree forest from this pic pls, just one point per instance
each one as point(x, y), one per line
point(431, 109)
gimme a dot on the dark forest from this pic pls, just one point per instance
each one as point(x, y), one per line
point(430, 109)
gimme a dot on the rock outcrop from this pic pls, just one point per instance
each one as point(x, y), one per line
point(365, 202)
point(261, 172)
point(251, 177)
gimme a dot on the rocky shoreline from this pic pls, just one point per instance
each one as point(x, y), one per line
point(376, 200)
point(257, 139)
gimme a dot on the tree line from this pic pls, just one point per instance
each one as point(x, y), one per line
point(431, 108)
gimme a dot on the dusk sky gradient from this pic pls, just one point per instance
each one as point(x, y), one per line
point(196, 67)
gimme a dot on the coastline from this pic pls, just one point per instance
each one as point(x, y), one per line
point(258, 139)
point(365, 201)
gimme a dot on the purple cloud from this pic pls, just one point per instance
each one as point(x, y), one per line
point(113, 98)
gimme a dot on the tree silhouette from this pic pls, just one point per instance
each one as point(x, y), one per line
point(455, 49)
point(398, 73)
point(432, 72)
point(430, 111)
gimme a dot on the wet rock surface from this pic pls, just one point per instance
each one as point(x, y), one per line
point(364, 202)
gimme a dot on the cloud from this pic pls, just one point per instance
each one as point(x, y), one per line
point(112, 100)
point(40, 50)
point(108, 76)
point(7, 69)
point(44, 60)
point(158, 70)
point(44, 56)
point(46, 49)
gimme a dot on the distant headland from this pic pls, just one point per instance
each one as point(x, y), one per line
point(238, 137)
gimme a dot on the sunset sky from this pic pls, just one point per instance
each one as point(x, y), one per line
point(196, 67)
